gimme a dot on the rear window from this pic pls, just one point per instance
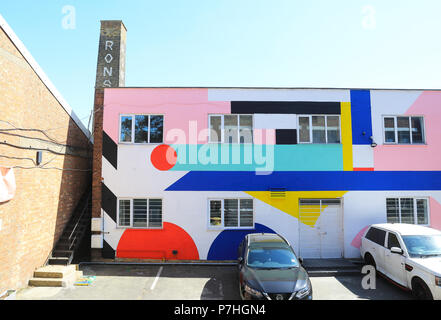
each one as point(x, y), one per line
point(376, 235)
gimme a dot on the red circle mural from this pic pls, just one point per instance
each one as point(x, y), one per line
point(171, 243)
point(163, 157)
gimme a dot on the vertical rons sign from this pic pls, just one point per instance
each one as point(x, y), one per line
point(110, 71)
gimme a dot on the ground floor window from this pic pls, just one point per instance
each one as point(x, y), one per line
point(407, 210)
point(140, 213)
point(231, 213)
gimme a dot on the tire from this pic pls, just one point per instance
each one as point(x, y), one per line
point(369, 260)
point(420, 290)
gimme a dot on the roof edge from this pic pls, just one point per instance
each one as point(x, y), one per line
point(272, 88)
point(42, 75)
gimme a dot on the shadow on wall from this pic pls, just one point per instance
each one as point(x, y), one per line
point(74, 180)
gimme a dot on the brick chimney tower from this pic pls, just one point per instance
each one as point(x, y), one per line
point(110, 73)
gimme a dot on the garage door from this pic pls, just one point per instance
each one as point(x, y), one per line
point(320, 228)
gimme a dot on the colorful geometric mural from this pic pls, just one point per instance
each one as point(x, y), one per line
point(225, 246)
point(188, 163)
point(171, 243)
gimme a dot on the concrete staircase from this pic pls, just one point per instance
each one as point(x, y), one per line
point(55, 276)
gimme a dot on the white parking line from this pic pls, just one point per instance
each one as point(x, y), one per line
point(156, 279)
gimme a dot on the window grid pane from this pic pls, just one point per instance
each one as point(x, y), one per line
point(403, 129)
point(393, 210)
point(126, 129)
point(318, 129)
point(124, 213)
point(155, 213)
point(231, 213)
point(215, 212)
point(333, 129)
point(389, 129)
point(215, 128)
point(422, 214)
point(407, 213)
point(156, 128)
point(417, 130)
point(246, 212)
point(245, 129)
point(230, 128)
point(141, 129)
point(140, 213)
point(304, 129)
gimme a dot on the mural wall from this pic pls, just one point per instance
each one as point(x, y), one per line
point(276, 171)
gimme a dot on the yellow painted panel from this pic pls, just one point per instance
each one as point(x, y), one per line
point(346, 135)
point(290, 204)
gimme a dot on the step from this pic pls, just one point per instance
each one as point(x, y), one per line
point(51, 271)
point(67, 280)
point(62, 261)
point(62, 253)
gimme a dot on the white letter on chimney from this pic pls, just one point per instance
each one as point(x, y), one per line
point(109, 45)
point(108, 71)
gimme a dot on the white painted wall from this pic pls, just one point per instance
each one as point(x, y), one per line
point(241, 94)
point(389, 102)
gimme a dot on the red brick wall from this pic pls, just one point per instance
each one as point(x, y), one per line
point(34, 219)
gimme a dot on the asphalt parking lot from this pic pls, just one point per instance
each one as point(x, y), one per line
point(184, 282)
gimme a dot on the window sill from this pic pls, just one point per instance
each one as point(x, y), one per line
point(404, 144)
point(141, 144)
point(230, 228)
point(139, 228)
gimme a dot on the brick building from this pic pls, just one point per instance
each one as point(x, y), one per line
point(34, 117)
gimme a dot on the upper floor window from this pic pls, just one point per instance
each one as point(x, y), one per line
point(140, 213)
point(407, 210)
point(319, 129)
point(140, 128)
point(405, 130)
point(231, 128)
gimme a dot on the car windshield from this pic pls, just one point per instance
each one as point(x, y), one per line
point(271, 257)
point(423, 245)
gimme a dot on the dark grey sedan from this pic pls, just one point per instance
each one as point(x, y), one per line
point(269, 269)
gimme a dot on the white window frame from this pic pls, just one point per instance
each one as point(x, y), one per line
point(133, 115)
point(222, 225)
point(118, 226)
point(415, 216)
point(410, 128)
point(223, 128)
point(310, 127)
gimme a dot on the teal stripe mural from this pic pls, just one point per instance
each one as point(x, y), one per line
point(248, 157)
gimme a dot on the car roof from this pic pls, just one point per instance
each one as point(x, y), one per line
point(407, 229)
point(264, 237)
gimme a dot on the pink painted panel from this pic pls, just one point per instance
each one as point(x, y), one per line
point(356, 242)
point(185, 111)
point(435, 213)
point(264, 136)
point(416, 157)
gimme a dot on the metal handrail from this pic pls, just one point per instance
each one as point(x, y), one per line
point(79, 219)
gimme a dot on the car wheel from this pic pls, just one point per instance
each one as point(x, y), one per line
point(420, 290)
point(369, 260)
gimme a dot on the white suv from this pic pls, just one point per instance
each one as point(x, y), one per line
point(409, 255)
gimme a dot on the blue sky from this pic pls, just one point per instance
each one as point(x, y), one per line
point(277, 43)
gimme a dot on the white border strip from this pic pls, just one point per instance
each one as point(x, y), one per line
point(40, 73)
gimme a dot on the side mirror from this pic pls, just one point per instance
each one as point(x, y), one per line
point(300, 260)
point(396, 250)
point(240, 260)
